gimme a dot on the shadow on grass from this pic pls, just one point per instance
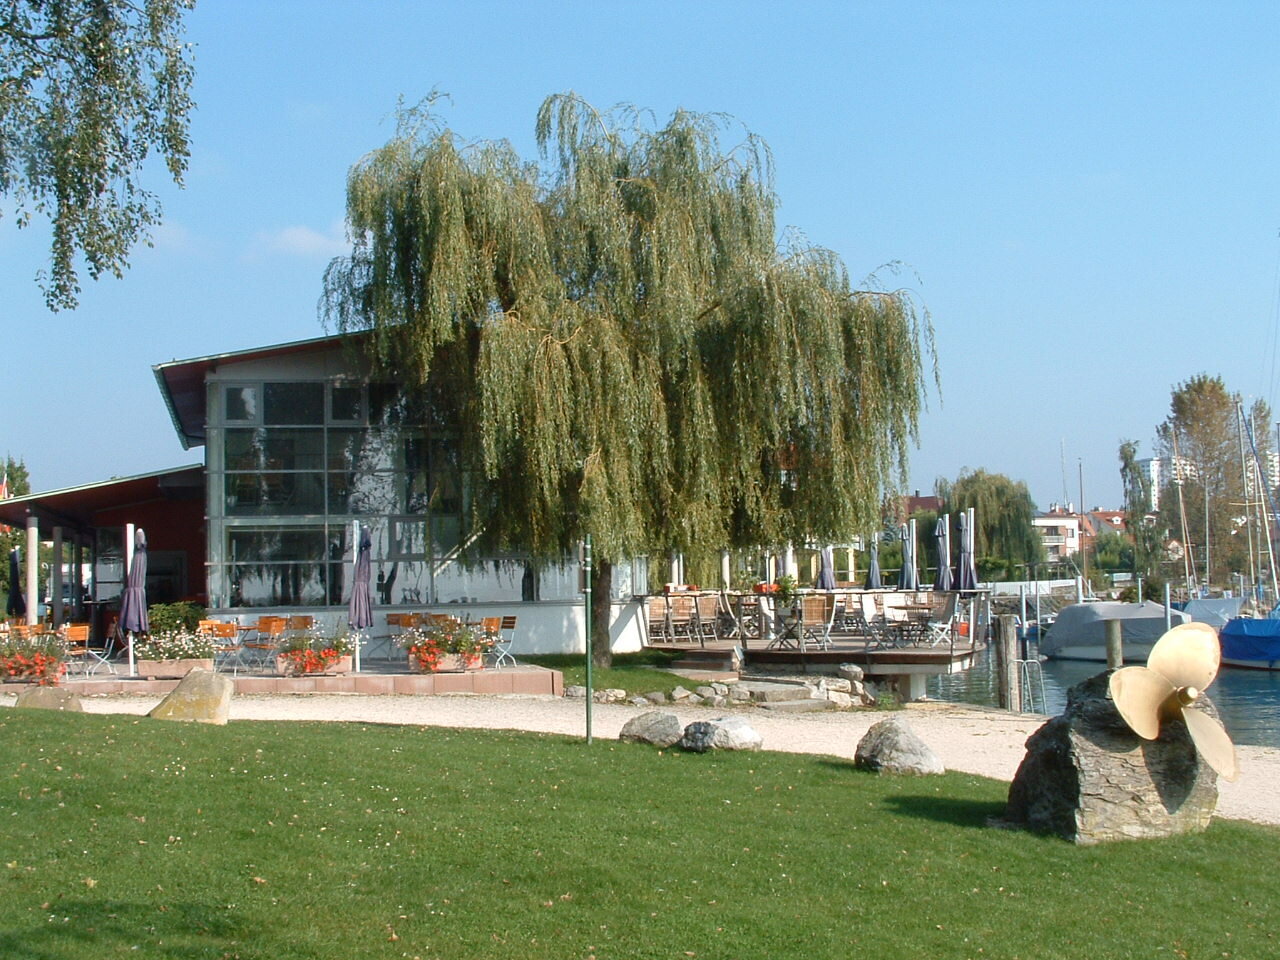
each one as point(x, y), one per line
point(88, 928)
point(953, 810)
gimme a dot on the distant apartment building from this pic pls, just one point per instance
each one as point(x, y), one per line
point(1159, 471)
point(1059, 530)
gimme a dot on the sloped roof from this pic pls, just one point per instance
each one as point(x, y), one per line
point(182, 381)
point(75, 507)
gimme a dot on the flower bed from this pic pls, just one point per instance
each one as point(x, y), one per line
point(171, 669)
point(36, 659)
point(312, 654)
point(448, 645)
point(180, 644)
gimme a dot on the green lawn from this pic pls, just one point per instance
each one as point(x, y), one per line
point(130, 837)
point(636, 673)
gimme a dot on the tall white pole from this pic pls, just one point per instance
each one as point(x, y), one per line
point(33, 570)
point(355, 557)
point(128, 565)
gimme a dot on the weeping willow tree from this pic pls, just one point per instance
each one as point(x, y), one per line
point(1003, 510)
point(629, 349)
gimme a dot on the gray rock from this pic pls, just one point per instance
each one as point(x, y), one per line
point(722, 733)
point(739, 694)
point(202, 696)
point(721, 689)
point(891, 746)
point(835, 684)
point(706, 693)
point(657, 696)
point(850, 671)
point(616, 694)
point(49, 698)
point(639, 701)
point(680, 693)
point(1089, 778)
point(576, 692)
point(841, 700)
point(655, 727)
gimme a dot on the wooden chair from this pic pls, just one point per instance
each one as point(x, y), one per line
point(267, 634)
point(300, 624)
point(228, 651)
point(817, 614)
point(705, 623)
point(656, 611)
point(680, 616)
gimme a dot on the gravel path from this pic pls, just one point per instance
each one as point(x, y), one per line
point(970, 739)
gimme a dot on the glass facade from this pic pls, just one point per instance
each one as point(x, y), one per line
point(294, 464)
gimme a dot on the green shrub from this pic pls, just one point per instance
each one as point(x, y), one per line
point(170, 617)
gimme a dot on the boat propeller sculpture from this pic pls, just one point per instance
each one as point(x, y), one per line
point(1180, 666)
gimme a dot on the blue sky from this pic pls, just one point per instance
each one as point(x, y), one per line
point(1085, 197)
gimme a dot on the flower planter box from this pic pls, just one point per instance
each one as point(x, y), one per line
point(289, 668)
point(449, 663)
point(170, 669)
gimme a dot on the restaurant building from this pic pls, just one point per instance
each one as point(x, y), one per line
point(302, 447)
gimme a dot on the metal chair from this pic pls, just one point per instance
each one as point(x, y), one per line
point(502, 645)
point(75, 638)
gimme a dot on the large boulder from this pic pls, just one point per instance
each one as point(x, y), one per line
point(660, 729)
point(49, 698)
point(1089, 778)
point(721, 733)
point(201, 696)
point(891, 746)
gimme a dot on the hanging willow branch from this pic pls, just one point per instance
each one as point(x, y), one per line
point(635, 348)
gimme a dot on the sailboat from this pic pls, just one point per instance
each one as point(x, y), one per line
point(1254, 642)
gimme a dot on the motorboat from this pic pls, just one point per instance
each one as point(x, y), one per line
point(1079, 632)
point(1251, 642)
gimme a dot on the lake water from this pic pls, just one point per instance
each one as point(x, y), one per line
point(1248, 700)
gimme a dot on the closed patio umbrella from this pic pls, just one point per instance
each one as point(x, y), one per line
point(942, 540)
point(908, 579)
point(360, 604)
point(873, 566)
point(16, 605)
point(133, 602)
point(826, 570)
point(966, 572)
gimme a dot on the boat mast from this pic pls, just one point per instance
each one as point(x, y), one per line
point(1275, 590)
point(1188, 569)
point(1248, 503)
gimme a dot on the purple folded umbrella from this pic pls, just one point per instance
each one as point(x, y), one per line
point(133, 603)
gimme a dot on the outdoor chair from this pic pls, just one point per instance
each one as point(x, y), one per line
point(706, 617)
point(817, 614)
point(506, 636)
point(941, 627)
point(261, 651)
point(680, 609)
point(299, 625)
point(75, 637)
point(228, 651)
point(656, 612)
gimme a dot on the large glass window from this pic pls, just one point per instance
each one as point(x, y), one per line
point(293, 464)
point(293, 403)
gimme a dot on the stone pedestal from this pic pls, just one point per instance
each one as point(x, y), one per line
point(1089, 778)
